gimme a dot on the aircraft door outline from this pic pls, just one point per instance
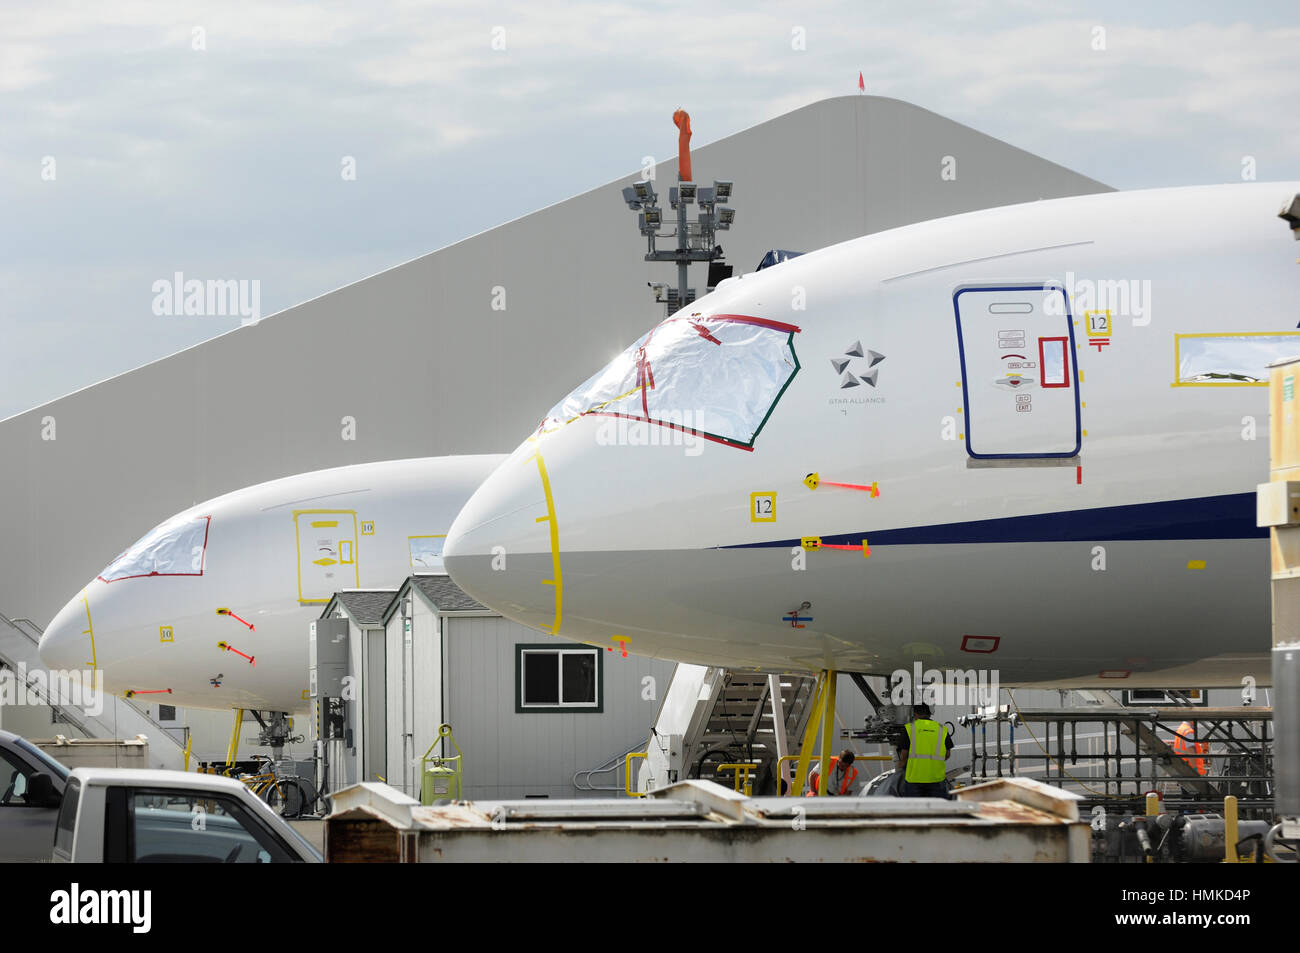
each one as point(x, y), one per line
point(327, 553)
point(1019, 371)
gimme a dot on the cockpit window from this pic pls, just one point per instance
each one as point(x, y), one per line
point(719, 376)
point(176, 548)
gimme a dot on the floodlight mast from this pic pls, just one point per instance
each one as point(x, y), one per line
point(641, 197)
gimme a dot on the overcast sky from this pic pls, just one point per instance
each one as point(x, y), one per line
point(225, 161)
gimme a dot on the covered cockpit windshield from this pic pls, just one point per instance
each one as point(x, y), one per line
point(719, 376)
point(175, 548)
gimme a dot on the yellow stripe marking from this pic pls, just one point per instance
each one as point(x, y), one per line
point(601, 406)
point(555, 542)
point(320, 524)
point(1196, 564)
point(90, 631)
point(614, 400)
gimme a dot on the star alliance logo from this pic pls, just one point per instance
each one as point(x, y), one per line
point(854, 362)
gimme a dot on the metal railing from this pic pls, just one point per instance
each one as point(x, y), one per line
point(1126, 754)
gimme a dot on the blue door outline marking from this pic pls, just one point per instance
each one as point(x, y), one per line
point(1071, 354)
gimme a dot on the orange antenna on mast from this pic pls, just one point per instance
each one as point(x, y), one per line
point(682, 119)
point(695, 241)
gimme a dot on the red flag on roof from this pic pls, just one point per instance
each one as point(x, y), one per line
point(862, 86)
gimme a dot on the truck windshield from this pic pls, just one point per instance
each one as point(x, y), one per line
point(719, 376)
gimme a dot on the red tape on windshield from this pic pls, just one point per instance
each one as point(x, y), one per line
point(738, 319)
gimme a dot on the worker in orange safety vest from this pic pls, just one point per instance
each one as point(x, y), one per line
point(840, 775)
point(1184, 745)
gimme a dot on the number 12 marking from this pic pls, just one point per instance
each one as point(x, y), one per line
point(762, 507)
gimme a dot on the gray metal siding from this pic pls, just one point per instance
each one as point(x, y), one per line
point(394, 704)
point(374, 745)
point(356, 706)
point(426, 683)
point(513, 755)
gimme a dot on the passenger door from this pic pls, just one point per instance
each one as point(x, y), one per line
point(1020, 382)
point(327, 553)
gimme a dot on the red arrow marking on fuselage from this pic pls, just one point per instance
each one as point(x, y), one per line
point(227, 647)
point(872, 489)
point(864, 548)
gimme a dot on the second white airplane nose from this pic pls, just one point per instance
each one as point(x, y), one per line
point(68, 641)
point(504, 550)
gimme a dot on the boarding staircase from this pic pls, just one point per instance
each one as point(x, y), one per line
point(714, 716)
point(118, 718)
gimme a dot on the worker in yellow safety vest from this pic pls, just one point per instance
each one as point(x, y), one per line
point(1184, 745)
point(922, 755)
point(840, 775)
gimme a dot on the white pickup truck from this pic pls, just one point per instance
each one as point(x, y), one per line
point(126, 815)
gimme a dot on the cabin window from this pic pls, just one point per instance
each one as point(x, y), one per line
point(175, 548)
point(1054, 361)
point(551, 679)
point(1219, 360)
point(715, 376)
point(426, 552)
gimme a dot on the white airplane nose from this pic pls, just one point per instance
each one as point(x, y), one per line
point(503, 549)
point(68, 641)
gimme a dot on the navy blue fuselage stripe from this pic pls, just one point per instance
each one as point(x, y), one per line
point(1206, 517)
